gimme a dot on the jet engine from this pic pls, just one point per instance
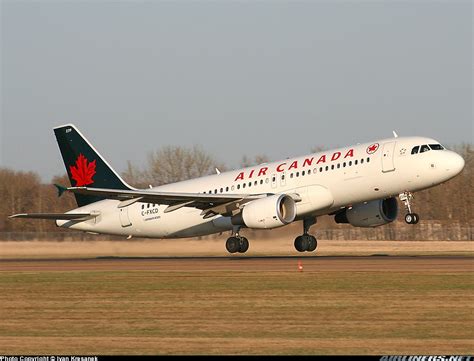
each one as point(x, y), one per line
point(370, 214)
point(270, 212)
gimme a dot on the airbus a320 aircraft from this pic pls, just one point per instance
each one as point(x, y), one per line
point(357, 185)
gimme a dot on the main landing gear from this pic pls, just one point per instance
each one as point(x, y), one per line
point(306, 242)
point(236, 243)
point(410, 218)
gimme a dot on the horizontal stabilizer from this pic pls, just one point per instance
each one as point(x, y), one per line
point(61, 189)
point(58, 216)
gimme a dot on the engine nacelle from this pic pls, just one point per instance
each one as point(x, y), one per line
point(270, 212)
point(370, 214)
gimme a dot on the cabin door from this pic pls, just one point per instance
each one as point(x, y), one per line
point(387, 157)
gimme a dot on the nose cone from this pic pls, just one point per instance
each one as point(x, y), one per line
point(455, 164)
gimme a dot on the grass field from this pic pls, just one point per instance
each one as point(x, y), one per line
point(239, 306)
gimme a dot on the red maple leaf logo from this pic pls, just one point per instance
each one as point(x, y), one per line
point(83, 171)
point(372, 148)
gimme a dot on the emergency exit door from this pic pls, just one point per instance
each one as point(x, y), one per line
point(124, 218)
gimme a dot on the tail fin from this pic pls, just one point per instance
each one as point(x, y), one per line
point(84, 165)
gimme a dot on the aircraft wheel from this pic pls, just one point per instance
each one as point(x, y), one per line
point(409, 218)
point(232, 244)
point(313, 243)
point(416, 218)
point(301, 243)
point(243, 245)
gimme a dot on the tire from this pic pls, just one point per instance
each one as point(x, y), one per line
point(313, 243)
point(306, 241)
point(299, 244)
point(232, 245)
point(416, 218)
point(243, 245)
point(409, 218)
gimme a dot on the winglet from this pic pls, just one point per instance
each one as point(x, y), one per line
point(395, 134)
point(61, 189)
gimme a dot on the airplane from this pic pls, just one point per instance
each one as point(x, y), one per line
point(357, 184)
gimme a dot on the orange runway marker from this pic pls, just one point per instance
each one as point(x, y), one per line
point(300, 266)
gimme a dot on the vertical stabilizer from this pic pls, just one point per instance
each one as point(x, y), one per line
point(84, 165)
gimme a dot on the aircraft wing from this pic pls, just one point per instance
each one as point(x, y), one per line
point(59, 216)
point(210, 204)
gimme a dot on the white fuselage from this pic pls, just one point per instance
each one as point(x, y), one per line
point(351, 175)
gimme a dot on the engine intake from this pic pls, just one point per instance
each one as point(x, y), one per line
point(370, 214)
point(270, 212)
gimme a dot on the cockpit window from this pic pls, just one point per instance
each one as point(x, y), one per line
point(436, 147)
point(424, 148)
point(415, 150)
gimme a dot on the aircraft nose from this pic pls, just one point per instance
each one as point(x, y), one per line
point(455, 164)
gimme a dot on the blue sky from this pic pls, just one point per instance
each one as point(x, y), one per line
point(264, 77)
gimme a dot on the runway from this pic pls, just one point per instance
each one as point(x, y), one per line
point(376, 263)
point(245, 305)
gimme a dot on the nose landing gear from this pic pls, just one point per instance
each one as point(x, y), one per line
point(410, 218)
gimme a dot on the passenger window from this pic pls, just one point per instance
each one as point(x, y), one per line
point(350, 163)
point(415, 150)
point(309, 171)
point(243, 185)
point(143, 206)
point(297, 174)
point(338, 165)
point(255, 183)
point(344, 165)
point(320, 169)
point(226, 189)
point(261, 181)
point(436, 147)
point(302, 173)
point(424, 148)
point(362, 161)
point(250, 184)
point(355, 162)
point(327, 168)
point(282, 177)
point(332, 166)
point(215, 191)
point(291, 175)
point(232, 188)
point(222, 190)
point(238, 186)
point(368, 159)
point(315, 170)
point(267, 180)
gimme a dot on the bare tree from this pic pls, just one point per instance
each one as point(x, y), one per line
point(258, 159)
point(318, 148)
point(175, 163)
point(134, 176)
point(20, 193)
